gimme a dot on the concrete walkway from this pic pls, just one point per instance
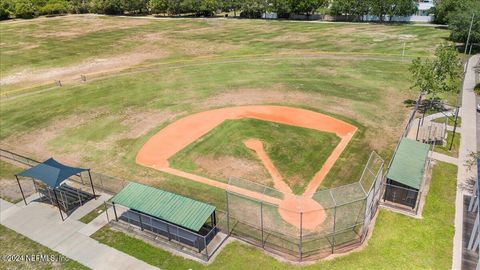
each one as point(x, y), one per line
point(41, 223)
point(467, 145)
point(444, 158)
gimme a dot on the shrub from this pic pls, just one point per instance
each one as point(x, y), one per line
point(477, 89)
point(25, 9)
point(55, 7)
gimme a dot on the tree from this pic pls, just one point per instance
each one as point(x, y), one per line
point(158, 6)
point(459, 23)
point(232, 5)
point(79, 6)
point(202, 7)
point(110, 7)
point(441, 74)
point(306, 7)
point(357, 8)
point(443, 8)
point(6, 9)
point(253, 8)
point(55, 7)
point(25, 9)
point(134, 6)
point(402, 8)
point(281, 7)
point(380, 8)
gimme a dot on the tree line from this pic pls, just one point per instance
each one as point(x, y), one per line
point(245, 8)
point(456, 13)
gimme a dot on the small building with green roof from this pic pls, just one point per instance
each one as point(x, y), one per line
point(166, 214)
point(406, 173)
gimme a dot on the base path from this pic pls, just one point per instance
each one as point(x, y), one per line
point(178, 135)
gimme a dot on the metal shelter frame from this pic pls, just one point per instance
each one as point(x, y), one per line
point(54, 175)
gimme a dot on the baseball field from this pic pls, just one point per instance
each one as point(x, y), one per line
point(187, 104)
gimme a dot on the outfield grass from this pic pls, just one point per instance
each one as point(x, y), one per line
point(297, 153)
point(59, 41)
point(16, 244)
point(445, 149)
point(351, 71)
point(398, 241)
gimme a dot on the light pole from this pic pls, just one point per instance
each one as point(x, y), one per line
point(469, 32)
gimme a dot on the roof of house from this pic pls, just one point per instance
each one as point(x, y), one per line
point(173, 208)
point(408, 165)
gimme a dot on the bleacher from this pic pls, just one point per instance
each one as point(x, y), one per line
point(69, 197)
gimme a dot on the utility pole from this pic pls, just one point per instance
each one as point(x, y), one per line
point(469, 32)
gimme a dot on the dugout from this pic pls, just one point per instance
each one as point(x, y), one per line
point(176, 218)
point(49, 179)
point(406, 173)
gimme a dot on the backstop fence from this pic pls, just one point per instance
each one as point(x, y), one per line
point(347, 212)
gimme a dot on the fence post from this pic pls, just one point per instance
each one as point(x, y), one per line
point(205, 242)
point(301, 234)
point(334, 225)
point(106, 210)
point(228, 214)
point(115, 212)
point(261, 222)
point(140, 219)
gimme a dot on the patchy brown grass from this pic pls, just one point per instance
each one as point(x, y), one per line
point(228, 166)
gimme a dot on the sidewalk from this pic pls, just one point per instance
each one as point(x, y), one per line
point(444, 158)
point(41, 222)
point(467, 145)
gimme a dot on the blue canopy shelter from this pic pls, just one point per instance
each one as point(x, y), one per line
point(53, 174)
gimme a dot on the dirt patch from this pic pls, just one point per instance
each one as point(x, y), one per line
point(85, 24)
point(140, 123)
point(228, 166)
point(293, 37)
point(281, 94)
point(10, 191)
point(88, 67)
point(199, 48)
point(36, 142)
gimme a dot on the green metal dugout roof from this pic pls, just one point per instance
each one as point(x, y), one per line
point(168, 206)
point(409, 162)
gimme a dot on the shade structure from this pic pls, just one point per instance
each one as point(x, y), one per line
point(51, 172)
point(408, 165)
point(173, 208)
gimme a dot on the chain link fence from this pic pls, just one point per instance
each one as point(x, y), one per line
point(347, 212)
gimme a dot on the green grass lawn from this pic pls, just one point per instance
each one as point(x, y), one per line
point(445, 149)
point(398, 241)
point(189, 65)
point(13, 243)
point(297, 153)
point(93, 214)
point(8, 171)
point(450, 121)
point(8, 185)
